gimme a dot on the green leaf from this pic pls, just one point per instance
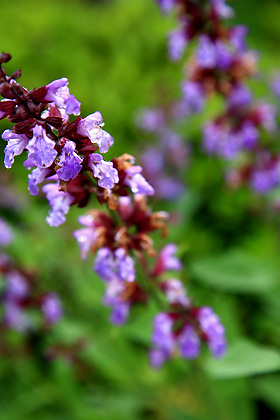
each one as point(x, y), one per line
point(244, 358)
point(235, 271)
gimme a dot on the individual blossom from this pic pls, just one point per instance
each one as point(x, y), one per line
point(167, 260)
point(91, 127)
point(37, 176)
point(175, 292)
point(166, 5)
point(105, 172)
point(17, 287)
point(58, 92)
point(60, 203)
point(176, 44)
point(206, 53)
point(213, 330)
point(121, 296)
point(193, 96)
point(14, 317)
point(69, 162)
point(41, 148)
point(51, 308)
point(15, 146)
point(137, 182)
point(151, 120)
point(6, 233)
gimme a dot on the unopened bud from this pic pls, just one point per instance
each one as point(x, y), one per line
point(16, 74)
point(5, 57)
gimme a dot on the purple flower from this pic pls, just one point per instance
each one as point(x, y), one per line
point(221, 140)
point(151, 120)
point(125, 265)
point(58, 92)
point(250, 135)
point(153, 161)
point(137, 182)
point(166, 5)
point(193, 96)
point(6, 234)
point(267, 116)
point(59, 201)
point(222, 9)
point(14, 317)
point(225, 56)
point(120, 313)
point(175, 292)
point(166, 260)
point(105, 265)
point(107, 174)
point(237, 37)
point(214, 331)
point(158, 357)
point(17, 288)
point(189, 343)
point(69, 161)
point(264, 180)
point(113, 297)
point(168, 188)
point(109, 265)
point(73, 106)
point(206, 54)
point(91, 127)
point(162, 337)
point(176, 44)
point(15, 146)
point(41, 148)
point(36, 177)
point(87, 236)
point(212, 133)
point(240, 96)
point(51, 308)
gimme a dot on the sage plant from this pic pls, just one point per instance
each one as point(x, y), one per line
point(67, 156)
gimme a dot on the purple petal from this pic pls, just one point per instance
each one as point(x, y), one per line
point(70, 162)
point(189, 343)
point(60, 203)
point(137, 182)
point(41, 148)
point(36, 177)
point(107, 174)
point(15, 146)
point(51, 308)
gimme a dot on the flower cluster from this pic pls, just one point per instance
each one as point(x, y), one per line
point(60, 151)
point(63, 154)
point(119, 244)
point(221, 63)
point(21, 296)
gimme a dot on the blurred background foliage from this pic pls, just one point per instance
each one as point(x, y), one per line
point(114, 55)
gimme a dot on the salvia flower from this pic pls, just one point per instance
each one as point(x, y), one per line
point(52, 308)
point(137, 182)
point(15, 146)
point(59, 201)
point(41, 148)
point(110, 265)
point(69, 162)
point(6, 233)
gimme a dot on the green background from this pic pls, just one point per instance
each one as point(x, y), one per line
point(114, 55)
